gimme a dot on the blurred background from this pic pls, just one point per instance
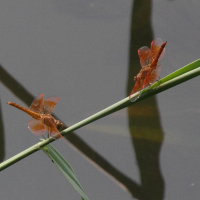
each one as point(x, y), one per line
point(85, 52)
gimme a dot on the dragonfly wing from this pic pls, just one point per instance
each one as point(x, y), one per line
point(36, 126)
point(137, 87)
point(55, 133)
point(49, 104)
point(52, 130)
point(152, 76)
point(36, 105)
point(155, 47)
point(144, 55)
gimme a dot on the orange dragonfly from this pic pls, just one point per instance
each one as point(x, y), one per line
point(41, 112)
point(149, 61)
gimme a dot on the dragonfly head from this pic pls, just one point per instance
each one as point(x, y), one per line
point(59, 124)
point(135, 78)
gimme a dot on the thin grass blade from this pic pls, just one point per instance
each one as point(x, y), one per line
point(65, 168)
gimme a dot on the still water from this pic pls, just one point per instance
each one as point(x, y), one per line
point(86, 54)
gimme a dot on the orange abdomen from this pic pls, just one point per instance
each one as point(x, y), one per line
point(155, 61)
point(29, 112)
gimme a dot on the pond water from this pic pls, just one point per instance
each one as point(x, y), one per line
point(85, 52)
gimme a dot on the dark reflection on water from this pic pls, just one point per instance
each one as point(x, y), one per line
point(15, 87)
point(2, 142)
point(144, 122)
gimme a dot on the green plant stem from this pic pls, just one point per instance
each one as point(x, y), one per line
point(157, 87)
point(24, 154)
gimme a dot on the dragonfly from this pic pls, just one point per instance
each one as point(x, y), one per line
point(43, 120)
point(150, 63)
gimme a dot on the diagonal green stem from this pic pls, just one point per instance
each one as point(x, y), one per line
point(188, 72)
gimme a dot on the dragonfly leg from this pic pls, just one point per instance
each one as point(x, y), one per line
point(43, 137)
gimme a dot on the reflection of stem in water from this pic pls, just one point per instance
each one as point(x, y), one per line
point(2, 146)
point(16, 88)
point(144, 123)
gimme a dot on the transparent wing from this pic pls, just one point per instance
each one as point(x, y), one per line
point(152, 76)
point(52, 129)
point(137, 87)
point(155, 47)
point(49, 104)
point(36, 127)
point(36, 105)
point(140, 80)
point(144, 55)
point(55, 133)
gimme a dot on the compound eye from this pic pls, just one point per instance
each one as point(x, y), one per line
point(59, 125)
